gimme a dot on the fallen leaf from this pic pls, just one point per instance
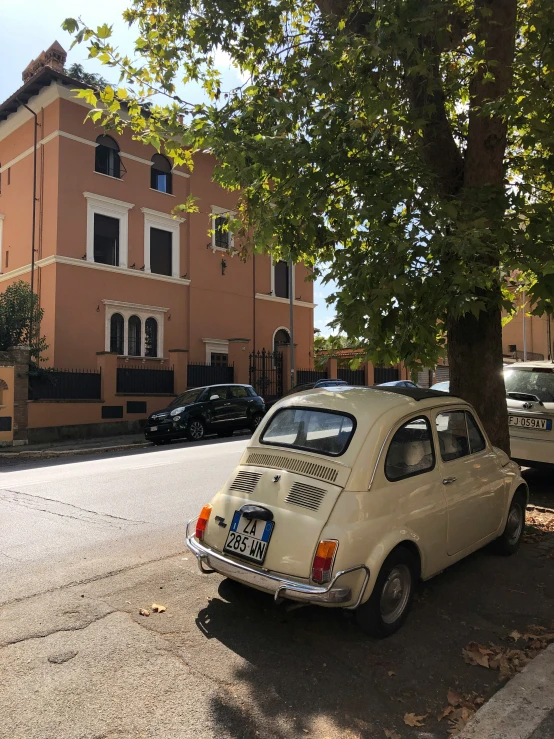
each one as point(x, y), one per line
point(391, 673)
point(390, 734)
point(445, 712)
point(410, 719)
point(515, 635)
point(157, 608)
point(454, 698)
point(144, 612)
point(475, 654)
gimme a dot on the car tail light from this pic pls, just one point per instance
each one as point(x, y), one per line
point(323, 560)
point(202, 522)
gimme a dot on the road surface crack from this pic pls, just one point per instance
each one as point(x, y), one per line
point(66, 510)
point(77, 627)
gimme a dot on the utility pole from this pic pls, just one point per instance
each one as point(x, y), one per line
point(291, 320)
point(524, 329)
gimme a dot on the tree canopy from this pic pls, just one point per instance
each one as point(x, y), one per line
point(16, 303)
point(405, 144)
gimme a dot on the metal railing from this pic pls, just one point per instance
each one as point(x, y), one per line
point(385, 374)
point(310, 375)
point(139, 380)
point(62, 384)
point(266, 374)
point(200, 374)
point(352, 377)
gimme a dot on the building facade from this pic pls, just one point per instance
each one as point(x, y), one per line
point(115, 271)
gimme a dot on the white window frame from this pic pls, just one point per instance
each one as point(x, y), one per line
point(112, 209)
point(217, 346)
point(143, 312)
point(216, 212)
point(165, 222)
point(1, 237)
point(292, 285)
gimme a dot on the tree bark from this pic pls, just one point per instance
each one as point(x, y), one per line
point(475, 361)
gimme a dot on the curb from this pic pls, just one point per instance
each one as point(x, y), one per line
point(45, 453)
point(520, 707)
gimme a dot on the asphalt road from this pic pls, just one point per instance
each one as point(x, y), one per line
point(65, 521)
point(87, 543)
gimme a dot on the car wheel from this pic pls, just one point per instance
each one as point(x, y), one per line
point(510, 540)
point(255, 421)
point(195, 430)
point(387, 607)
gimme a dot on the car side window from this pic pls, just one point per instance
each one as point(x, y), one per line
point(411, 450)
point(452, 433)
point(221, 392)
point(476, 440)
point(238, 392)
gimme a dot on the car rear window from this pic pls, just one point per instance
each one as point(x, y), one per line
point(323, 432)
point(537, 381)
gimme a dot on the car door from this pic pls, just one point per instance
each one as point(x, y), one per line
point(471, 478)
point(240, 400)
point(217, 410)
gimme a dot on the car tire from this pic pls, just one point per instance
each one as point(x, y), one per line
point(388, 605)
point(508, 543)
point(256, 420)
point(195, 430)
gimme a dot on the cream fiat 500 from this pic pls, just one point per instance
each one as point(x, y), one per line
point(348, 496)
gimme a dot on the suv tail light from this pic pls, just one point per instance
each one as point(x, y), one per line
point(202, 522)
point(324, 560)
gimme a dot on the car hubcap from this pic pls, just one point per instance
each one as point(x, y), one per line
point(396, 593)
point(196, 430)
point(257, 420)
point(514, 525)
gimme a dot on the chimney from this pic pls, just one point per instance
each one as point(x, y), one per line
point(53, 57)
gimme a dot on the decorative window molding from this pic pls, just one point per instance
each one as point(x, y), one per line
point(143, 312)
point(285, 301)
point(1, 237)
point(165, 222)
point(292, 281)
point(217, 346)
point(113, 209)
point(216, 213)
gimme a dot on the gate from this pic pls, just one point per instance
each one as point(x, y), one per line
point(352, 377)
point(309, 375)
point(266, 374)
point(385, 374)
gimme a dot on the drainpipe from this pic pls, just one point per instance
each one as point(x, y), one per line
point(33, 227)
point(524, 329)
point(291, 304)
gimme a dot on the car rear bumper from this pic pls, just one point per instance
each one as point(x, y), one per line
point(526, 449)
point(274, 583)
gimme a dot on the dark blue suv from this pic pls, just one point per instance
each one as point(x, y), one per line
point(216, 409)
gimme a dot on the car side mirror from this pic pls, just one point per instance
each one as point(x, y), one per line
point(214, 397)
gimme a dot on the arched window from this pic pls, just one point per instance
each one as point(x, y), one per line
point(106, 159)
point(151, 337)
point(160, 174)
point(134, 337)
point(280, 339)
point(116, 333)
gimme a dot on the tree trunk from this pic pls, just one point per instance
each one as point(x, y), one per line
point(475, 360)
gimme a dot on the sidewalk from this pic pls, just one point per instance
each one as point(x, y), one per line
point(74, 447)
point(523, 709)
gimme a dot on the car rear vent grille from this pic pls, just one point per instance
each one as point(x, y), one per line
point(245, 481)
point(306, 496)
point(301, 466)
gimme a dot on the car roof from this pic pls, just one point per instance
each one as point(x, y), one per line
point(529, 365)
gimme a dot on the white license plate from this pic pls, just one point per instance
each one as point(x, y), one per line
point(542, 424)
point(249, 538)
point(153, 428)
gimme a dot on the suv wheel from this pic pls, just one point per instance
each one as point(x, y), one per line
point(255, 422)
point(195, 430)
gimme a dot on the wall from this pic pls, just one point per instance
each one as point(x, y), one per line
point(536, 330)
point(7, 377)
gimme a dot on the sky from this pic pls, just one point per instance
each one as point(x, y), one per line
point(28, 27)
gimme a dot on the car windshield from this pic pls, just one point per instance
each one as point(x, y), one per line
point(318, 431)
point(537, 381)
point(191, 396)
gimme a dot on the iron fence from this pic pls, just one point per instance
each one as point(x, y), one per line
point(310, 375)
point(133, 380)
point(266, 373)
point(61, 384)
point(199, 374)
point(352, 377)
point(385, 374)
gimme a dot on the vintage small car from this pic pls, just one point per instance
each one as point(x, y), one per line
point(348, 496)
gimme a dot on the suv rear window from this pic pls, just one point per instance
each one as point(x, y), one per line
point(323, 432)
point(537, 381)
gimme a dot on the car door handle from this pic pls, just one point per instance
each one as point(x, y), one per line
point(449, 480)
